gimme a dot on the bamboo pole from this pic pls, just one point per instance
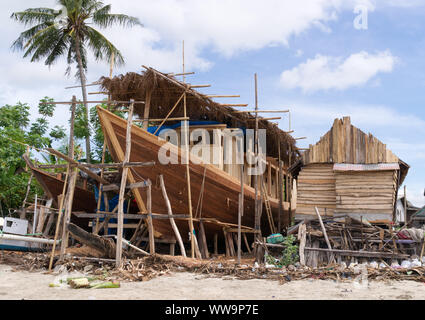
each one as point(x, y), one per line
point(189, 191)
point(121, 199)
point(99, 200)
point(257, 222)
point(240, 213)
point(280, 189)
point(171, 111)
point(170, 213)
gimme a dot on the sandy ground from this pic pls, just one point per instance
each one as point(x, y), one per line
point(187, 286)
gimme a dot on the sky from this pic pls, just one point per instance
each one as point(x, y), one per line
point(322, 59)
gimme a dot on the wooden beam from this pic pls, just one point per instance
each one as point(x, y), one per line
point(147, 110)
point(100, 165)
point(233, 105)
point(159, 120)
point(87, 85)
point(150, 223)
point(200, 86)
point(99, 92)
point(331, 259)
point(262, 111)
point(180, 74)
point(171, 111)
point(267, 119)
point(223, 96)
point(79, 166)
point(81, 102)
point(115, 187)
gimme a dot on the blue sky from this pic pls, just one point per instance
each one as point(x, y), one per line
point(308, 56)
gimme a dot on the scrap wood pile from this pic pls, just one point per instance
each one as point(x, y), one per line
point(147, 268)
point(351, 238)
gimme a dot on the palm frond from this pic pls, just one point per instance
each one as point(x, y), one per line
point(105, 20)
point(102, 48)
point(25, 36)
point(35, 15)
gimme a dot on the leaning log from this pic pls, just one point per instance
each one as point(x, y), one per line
point(105, 246)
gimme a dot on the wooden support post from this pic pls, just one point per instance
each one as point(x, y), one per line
point(72, 182)
point(405, 206)
point(216, 244)
point(121, 200)
point(280, 190)
point(246, 243)
point(172, 249)
point(61, 201)
point(302, 234)
point(257, 219)
point(205, 253)
point(332, 258)
point(150, 222)
point(170, 213)
point(147, 110)
point(240, 213)
point(226, 242)
point(99, 199)
point(68, 212)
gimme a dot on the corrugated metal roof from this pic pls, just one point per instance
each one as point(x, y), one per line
point(366, 167)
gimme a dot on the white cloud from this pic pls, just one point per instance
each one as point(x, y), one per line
point(324, 72)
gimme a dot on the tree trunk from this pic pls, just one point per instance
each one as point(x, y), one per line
point(84, 91)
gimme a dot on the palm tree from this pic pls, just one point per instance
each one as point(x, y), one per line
point(69, 31)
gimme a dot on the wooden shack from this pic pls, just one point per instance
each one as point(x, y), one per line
point(349, 172)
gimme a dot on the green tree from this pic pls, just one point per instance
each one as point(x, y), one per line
point(69, 31)
point(16, 131)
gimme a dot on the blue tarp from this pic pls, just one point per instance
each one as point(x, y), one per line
point(112, 204)
point(178, 125)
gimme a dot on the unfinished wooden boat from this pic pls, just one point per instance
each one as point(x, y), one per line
point(221, 190)
point(222, 187)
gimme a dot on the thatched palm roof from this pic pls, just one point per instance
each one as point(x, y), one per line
point(166, 90)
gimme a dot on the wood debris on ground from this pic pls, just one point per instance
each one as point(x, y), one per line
point(148, 268)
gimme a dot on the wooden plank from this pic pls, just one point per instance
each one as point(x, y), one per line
point(79, 166)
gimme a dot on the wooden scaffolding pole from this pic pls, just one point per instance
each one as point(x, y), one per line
point(280, 190)
point(121, 199)
point(72, 182)
point(240, 212)
point(170, 213)
point(193, 241)
point(257, 218)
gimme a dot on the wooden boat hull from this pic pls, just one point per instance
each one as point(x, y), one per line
point(221, 192)
point(84, 200)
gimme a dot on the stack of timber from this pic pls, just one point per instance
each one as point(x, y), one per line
point(350, 239)
point(366, 192)
point(316, 188)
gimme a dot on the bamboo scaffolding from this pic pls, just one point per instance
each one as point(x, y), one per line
point(121, 199)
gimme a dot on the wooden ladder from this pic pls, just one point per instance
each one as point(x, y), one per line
point(268, 208)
